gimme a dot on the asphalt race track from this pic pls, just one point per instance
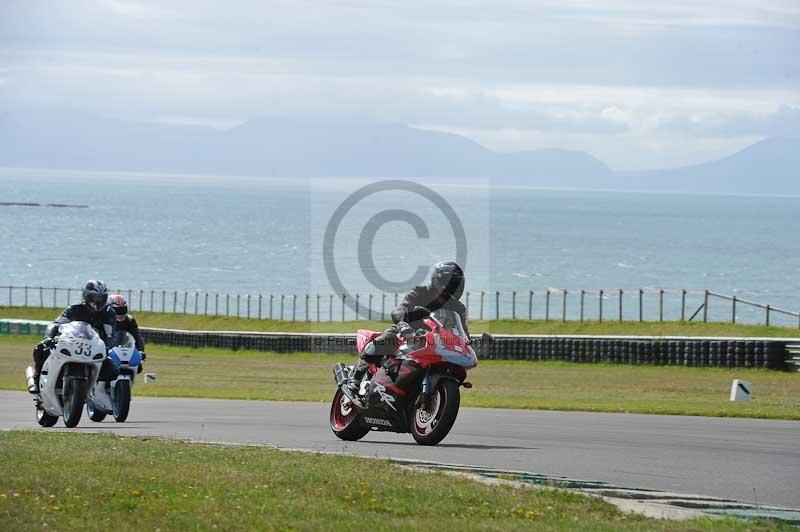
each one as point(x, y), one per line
point(744, 459)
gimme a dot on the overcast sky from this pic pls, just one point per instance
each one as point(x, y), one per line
point(637, 84)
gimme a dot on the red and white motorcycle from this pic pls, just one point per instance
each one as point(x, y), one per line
point(433, 367)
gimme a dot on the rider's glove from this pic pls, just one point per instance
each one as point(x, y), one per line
point(406, 330)
point(144, 355)
point(49, 343)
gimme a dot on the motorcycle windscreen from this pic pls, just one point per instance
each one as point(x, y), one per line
point(78, 329)
point(454, 348)
point(124, 339)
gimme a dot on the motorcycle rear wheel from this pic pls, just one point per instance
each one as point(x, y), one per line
point(43, 418)
point(95, 414)
point(345, 419)
point(75, 391)
point(429, 427)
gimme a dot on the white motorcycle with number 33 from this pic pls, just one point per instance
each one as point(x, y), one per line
point(68, 374)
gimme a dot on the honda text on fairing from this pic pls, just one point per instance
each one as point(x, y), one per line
point(70, 371)
point(112, 395)
point(427, 406)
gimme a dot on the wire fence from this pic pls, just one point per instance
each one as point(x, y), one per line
point(642, 305)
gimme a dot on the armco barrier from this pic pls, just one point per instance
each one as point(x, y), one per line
point(671, 351)
point(772, 353)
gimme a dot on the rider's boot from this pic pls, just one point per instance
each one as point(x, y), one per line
point(359, 370)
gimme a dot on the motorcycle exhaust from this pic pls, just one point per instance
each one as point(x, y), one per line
point(340, 373)
point(29, 377)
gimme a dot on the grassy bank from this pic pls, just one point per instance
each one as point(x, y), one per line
point(221, 323)
point(146, 484)
point(226, 374)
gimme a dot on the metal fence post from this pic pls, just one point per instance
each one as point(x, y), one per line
point(11, 297)
point(601, 305)
point(705, 307)
point(69, 295)
point(564, 306)
point(283, 298)
point(733, 310)
point(369, 308)
point(238, 304)
point(547, 305)
point(205, 304)
point(260, 301)
point(683, 304)
point(196, 302)
point(271, 297)
point(620, 304)
point(357, 296)
point(330, 307)
point(294, 307)
point(227, 304)
point(497, 305)
point(343, 298)
point(641, 305)
point(26, 296)
point(174, 301)
point(767, 322)
point(514, 305)
point(583, 296)
point(318, 308)
point(530, 305)
point(41, 297)
point(248, 306)
point(395, 299)
point(163, 301)
point(185, 300)
point(306, 317)
point(661, 305)
point(466, 304)
point(481, 314)
point(383, 304)
point(55, 298)
point(216, 304)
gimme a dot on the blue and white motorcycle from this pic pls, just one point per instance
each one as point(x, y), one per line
point(113, 396)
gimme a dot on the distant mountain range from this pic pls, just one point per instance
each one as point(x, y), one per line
point(289, 146)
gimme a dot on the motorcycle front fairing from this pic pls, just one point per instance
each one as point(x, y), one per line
point(78, 343)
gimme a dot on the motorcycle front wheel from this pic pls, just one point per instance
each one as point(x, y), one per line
point(344, 419)
point(122, 400)
point(75, 391)
point(432, 422)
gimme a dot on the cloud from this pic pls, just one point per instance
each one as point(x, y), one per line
point(785, 121)
point(138, 10)
point(515, 74)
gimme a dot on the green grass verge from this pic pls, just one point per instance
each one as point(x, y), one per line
point(103, 482)
point(221, 323)
point(184, 372)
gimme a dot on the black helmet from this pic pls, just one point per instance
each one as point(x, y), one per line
point(448, 278)
point(95, 295)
